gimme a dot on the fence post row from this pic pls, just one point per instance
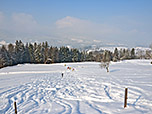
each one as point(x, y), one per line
point(125, 102)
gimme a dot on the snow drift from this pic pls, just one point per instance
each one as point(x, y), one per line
point(88, 89)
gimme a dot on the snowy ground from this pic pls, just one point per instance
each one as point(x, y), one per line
point(40, 89)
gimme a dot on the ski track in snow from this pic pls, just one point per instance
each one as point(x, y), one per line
point(86, 90)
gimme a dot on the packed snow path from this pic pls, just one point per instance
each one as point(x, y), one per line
point(88, 89)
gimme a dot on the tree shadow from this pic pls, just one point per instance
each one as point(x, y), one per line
point(115, 70)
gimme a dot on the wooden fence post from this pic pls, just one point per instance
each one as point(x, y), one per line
point(125, 102)
point(15, 107)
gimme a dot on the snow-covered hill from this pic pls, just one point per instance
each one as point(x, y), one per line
point(137, 49)
point(88, 89)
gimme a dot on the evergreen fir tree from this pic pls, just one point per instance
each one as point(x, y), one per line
point(27, 54)
point(5, 58)
point(132, 53)
point(11, 51)
point(56, 54)
point(46, 49)
point(31, 53)
point(107, 56)
point(116, 55)
point(121, 52)
point(38, 54)
point(19, 52)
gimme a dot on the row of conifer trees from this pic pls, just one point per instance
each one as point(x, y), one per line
point(20, 53)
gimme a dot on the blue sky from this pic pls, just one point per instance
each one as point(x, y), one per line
point(81, 21)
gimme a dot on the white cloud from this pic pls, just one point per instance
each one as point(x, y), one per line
point(69, 30)
point(71, 22)
point(125, 30)
point(84, 26)
point(24, 22)
point(65, 22)
point(20, 26)
point(75, 27)
point(19, 23)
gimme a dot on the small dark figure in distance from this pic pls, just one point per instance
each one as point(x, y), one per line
point(62, 75)
point(107, 68)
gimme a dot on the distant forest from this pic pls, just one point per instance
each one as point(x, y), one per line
point(42, 53)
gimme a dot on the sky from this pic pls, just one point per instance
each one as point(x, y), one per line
point(77, 22)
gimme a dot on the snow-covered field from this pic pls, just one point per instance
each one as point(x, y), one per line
point(40, 89)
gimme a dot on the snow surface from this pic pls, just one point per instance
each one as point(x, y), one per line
point(40, 89)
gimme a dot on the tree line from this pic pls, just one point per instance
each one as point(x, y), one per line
point(42, 53)
point(20, 53)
